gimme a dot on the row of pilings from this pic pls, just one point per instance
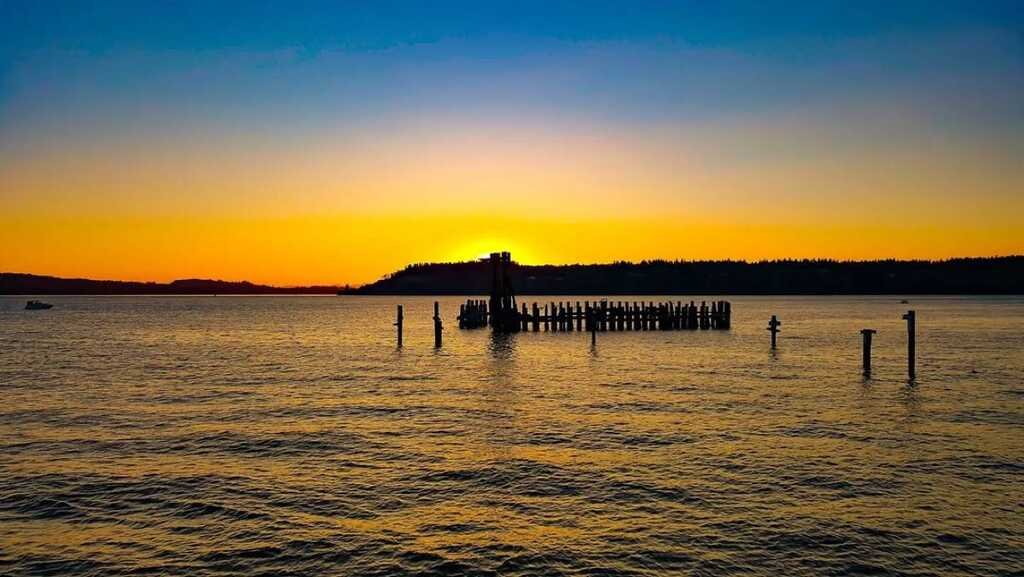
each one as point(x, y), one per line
point(598, 316)
point(602, 316)
point(473, 314)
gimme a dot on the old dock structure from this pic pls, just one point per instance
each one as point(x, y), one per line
point(502, 312)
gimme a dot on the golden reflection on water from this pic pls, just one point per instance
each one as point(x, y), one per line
point(243, 435)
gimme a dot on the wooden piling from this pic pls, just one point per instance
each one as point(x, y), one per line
point(592, 324)
point(867, 350)
point(398, 323)
point(437, 325)
point(911, 318)
point(773, 326)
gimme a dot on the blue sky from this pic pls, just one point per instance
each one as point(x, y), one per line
point(189, 25)
point(615, 60)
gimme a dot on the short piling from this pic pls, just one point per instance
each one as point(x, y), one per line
point(773, 327)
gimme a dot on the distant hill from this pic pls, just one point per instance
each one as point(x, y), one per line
point(998, 275)
point(30, 284)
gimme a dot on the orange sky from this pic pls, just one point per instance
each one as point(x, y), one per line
point(334, 215)
point(277, 161)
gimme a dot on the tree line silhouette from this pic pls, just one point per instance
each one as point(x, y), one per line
point(996, 275)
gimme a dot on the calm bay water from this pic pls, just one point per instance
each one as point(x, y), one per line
point(287, 435)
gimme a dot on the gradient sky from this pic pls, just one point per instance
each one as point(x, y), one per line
point(330, 142)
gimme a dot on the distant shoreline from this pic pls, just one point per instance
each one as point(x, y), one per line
point(963, 276)
point(29, 284)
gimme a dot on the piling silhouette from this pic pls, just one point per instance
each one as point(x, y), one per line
point(398, 324)
point(437, 325)
point(867, 334)
point(773, 327)
point(911, 318)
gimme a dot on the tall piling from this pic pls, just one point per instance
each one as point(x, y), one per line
point(911, 318)
point(437, 325)
point(867, 350)
point(592, 324)
point(398, 325)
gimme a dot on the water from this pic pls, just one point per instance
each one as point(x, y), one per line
point(287, 435)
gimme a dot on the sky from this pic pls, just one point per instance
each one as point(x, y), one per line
point(332, 142)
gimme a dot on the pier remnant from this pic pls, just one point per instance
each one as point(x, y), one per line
point(773, 326)
point(911, 318)
point(398, 323)
point(867, 350)
point(437, 325)
point(503, 315)
point(602, 316)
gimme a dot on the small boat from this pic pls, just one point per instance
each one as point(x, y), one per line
point(37, 306)
point(904, 302)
